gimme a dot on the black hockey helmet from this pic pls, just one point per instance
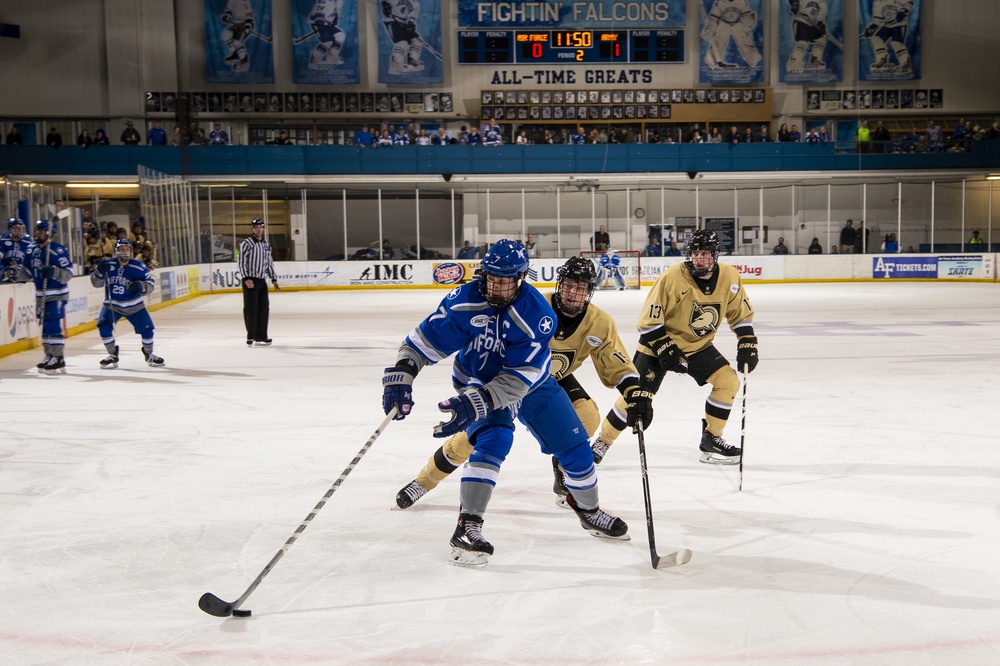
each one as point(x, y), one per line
point(702, 240)
point(256, 222)
point(577, 269)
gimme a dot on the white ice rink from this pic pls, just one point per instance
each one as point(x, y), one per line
point(866, 531)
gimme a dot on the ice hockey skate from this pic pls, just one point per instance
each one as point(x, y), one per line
point(600, 523)
point(56, 365)
point(152, 360)
point(413, 65)
point(559, 484)
point(111, 361)
point(468, 547)
point(717, 451)
point(266, 342)
point(600, 449)
point(45, 362)
point(409, 494)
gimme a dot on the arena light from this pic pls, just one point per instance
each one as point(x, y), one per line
point(96, 186)
point(993, 176)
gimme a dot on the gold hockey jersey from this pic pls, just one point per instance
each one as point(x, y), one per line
point(691, 309)
point(592, 334)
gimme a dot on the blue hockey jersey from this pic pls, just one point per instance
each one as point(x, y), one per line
point(14, 259)
point(120, 280)
point(54, 283)
point(505, 350)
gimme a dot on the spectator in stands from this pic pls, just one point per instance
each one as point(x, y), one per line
point(696, 137)
point(522, 138)
point(654, 249)
point(178, 137)
point(833, 249)
point(815, 247)
point(219, 136)
point(493, 136)
point(283, 139)
point(441, 138)
point(601, 241)
point(408, 251)
point(653, 138)
point(53, 139)
point(101, 139)
point(780, 248)
point(14, 137)
point(935, 143)
point(468, 251)
point(613, 135)
point(890, 245)
point(672, 251)
point(138, 235)
point(733, 136)
point(764, 137)
point(910, 250)
point(130, 135)
point(531, 246)
point(110, 238)
point(422, 138)
point(473, 138)
point(602, 136)
point(84, 139)
point(714, 136)
point(976, 239)
point(93, 250)
point(401, 138)
point(881, 138)
point(847, 235)
point(387, 251)
point(861, 243)
point(363, 137)
point(783, 135)
point(864, 137)
point(795, 134)
point(992, 133)
point(579, 137)
point(146, 253)
point(200, 138)
point(384, 139)
point(747, 136)
point(594, 136)
point(824, 138)
point(550, 138)
point(156, 136)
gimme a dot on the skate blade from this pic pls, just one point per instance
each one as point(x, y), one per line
point(713, 459)
point(682, 556)
point(467, 558)
point(60, 371)
point(561, 502)
point(109, 367)
point(601, 535)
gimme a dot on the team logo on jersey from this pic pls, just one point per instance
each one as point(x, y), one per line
point(734, 288)
point(546, 324)
point(480, 321)
point(454, 293)
point(705, 318)
point(594, 341)
point(562, 362)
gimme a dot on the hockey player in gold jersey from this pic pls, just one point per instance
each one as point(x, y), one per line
point(584, 331)
point(677, 328)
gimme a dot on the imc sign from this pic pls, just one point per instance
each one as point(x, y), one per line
point(904, 268)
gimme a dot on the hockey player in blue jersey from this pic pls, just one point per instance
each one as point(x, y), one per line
point(126, 282)
point(500, 328)
point(15, 248)
point(610, 270)
point(51, 270)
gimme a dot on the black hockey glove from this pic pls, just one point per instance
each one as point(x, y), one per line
point(227, 16)
point(746, 353)
point(640, 407)
point(821, 27)
point(101, 269)
point(793, 5)
point(135, 287)
point(410, 30)
point(470, 405)
point(50, 272)
point(248, 25)
point(397, 389)
point(869, 31)
point(670, 355)
point(386, 9)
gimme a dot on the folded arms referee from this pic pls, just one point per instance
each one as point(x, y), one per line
point(256, 266)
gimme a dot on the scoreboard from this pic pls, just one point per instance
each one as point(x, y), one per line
point(569, 47)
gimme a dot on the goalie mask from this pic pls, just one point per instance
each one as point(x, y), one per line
point(502, 272)
point(702, 252)
point(123, 250)
point(575, 286)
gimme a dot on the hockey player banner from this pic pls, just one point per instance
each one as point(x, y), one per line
point(811, 41)
point(555, 13)
point(238, 41)
point(732, 41)
point(409, 42)
point(325, 42)
point(889, 44)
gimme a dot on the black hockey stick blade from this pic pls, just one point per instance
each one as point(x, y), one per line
point(213, 605)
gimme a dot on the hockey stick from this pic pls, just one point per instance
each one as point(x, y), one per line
point(213, 605)
point(264, 38)
point(673, 559)
point(743, 430)
point(303, 38)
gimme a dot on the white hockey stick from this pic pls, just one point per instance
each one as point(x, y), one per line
point(683, 555)
point(213, 605)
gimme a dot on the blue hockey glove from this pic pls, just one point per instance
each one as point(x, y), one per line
point(468, 406)
point(397, 390)
point(746, 353)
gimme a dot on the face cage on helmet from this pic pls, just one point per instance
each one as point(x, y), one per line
point(701, 272)
point(14, 233)
point(507, 296)
point(123, 251)
point(563, 306)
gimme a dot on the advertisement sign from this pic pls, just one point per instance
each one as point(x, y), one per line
point(897, 267)
point(961, 267)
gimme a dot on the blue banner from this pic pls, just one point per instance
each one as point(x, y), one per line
point(580, 14)
point(889, 44)
point(896, 268)
point(409, 42)
point(238, 41)
point(732, 41)
point(325, 42)
point(811, 41)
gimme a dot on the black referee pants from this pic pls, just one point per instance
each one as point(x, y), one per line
point(256, 308)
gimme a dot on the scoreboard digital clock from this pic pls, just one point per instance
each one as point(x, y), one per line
point(569, 47)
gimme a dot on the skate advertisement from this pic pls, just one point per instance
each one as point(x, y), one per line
point(238, 41)
point(409, 42)
point(325, 42)
point(572, 15)
point(732, 41)
point(811, 41)
point(889, 40)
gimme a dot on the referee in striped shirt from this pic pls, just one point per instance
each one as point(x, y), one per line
point(256, 265)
